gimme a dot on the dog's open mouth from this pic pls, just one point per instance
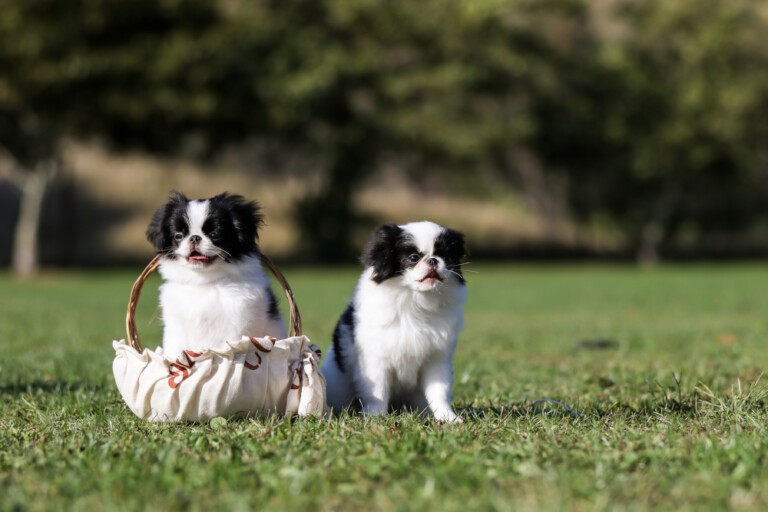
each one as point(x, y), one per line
point(432, 275)
point(196, 257)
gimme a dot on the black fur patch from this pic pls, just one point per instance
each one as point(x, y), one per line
point(347, 320)
point(387, 252)
point(450, 246)
point(273, 311)
point(166, 221)
point(233, 225)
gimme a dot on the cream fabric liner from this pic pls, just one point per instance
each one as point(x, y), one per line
point(254, 376)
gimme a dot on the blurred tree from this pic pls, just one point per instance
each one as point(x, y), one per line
point(660, 125)
point(654, 124)
point(648, 114)
point(126, 71)
point(354, 82)
point(345, 82)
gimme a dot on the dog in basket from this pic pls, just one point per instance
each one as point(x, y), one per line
point(393, 346)
point(214, 288)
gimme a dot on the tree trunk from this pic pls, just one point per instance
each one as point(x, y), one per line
point(651, 237)
point(328, 219)
point(656, 229)
point(26, 260)
point(544, 194)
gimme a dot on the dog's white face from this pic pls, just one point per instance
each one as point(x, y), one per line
point(205, 233)
point(433, 245)
point(422, 256)
point(195, 239)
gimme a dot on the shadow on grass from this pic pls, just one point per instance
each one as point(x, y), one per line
point(54, 387)
point(545, 406)
point(688, 407)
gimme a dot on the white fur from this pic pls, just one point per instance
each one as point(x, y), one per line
point(206, 305)
point(424, 234)
point(197, 212)
point(405, 337)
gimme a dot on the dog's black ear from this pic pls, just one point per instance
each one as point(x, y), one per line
point(158, 231)
point(381, 252)
point(246, 218)
point(451, 246)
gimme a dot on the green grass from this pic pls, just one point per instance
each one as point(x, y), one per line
point(673, 417)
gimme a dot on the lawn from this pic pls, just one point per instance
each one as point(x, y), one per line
point(661, 370)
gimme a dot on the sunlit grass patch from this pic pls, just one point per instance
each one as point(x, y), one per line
point(582, 388)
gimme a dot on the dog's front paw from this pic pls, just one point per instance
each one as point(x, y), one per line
point(448, 417)
point(374, 409)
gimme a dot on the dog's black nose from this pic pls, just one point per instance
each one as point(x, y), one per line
point(432, 261)
point(195, 239)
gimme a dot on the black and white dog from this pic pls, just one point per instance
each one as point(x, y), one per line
point(394, 344)
point(214, 288)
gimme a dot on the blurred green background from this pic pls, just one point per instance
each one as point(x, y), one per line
point(542, 128)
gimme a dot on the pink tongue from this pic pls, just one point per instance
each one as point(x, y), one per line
point(198, 257)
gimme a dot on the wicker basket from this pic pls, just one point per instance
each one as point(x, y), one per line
point(252, 376)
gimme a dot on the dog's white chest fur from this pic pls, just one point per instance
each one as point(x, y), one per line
point(203, 309)
point(419, 329)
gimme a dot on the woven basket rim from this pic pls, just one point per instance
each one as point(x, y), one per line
point(132, 332)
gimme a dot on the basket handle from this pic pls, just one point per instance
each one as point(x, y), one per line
point(294, 325)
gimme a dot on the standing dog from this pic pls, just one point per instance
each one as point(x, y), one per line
point(214, 288)
point(394, 344)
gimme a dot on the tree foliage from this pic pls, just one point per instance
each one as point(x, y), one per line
point(124, 71)
point(353, 82)
point(648, 114)
point(661, 127)
point(127, 71)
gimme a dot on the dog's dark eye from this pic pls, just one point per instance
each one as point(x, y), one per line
point(413, 258)
point(179, 236)
point(213, 234)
